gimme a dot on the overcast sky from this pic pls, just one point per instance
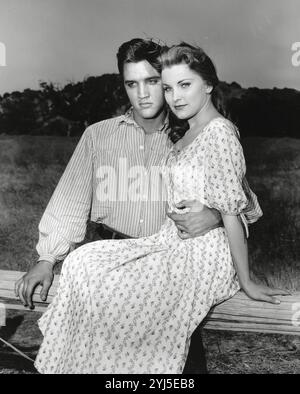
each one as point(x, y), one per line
point(66, 40)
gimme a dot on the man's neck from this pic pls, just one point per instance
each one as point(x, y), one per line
point(150, 126)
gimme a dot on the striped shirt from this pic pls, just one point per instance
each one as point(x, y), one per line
point(114, 178)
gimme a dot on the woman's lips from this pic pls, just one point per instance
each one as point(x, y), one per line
point(179, 107)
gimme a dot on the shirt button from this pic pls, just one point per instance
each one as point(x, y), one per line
point(141, 221)
point(141, 147)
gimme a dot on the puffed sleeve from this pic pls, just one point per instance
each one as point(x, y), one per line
point(224, 169)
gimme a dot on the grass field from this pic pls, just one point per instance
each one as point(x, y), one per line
point(30, 169)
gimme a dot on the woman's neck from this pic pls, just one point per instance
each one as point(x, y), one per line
point(204, 116)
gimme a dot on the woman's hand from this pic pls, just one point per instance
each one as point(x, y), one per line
point(263, 293)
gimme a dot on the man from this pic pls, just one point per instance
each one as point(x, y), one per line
point(107, 179)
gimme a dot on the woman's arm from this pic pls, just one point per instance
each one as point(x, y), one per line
point(239, 252)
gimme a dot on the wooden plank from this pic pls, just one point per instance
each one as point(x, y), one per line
point(39, 307)
point(236, 314)
point(243, 314)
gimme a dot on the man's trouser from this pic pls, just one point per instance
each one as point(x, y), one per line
point(196, 361)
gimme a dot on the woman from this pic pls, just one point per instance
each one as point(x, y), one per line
point(130, 306)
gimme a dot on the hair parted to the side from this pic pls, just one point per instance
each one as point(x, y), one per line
point(137, 50)
point(198, 61)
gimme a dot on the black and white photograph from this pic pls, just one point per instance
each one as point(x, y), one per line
point(149, 189)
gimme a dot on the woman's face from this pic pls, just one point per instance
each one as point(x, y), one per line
point(185, 91)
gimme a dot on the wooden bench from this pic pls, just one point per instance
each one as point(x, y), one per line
point(236, 314)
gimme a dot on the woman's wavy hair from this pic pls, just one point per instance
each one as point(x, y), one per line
point(198, 61)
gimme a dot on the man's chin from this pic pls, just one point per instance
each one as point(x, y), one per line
point(148, 113)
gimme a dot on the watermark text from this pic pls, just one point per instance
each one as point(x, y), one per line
point(2, 315)
point(129, 183)
point(296, 314)
point(138, 183)
point(296, 56)
point(2, 55)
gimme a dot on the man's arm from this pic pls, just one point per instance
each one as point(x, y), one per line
point(64, 221)
point(197, 221)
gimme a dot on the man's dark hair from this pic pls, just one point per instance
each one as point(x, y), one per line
point(137, 50)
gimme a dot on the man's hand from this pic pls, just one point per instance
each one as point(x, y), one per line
point(198, 221)
point(41, 274)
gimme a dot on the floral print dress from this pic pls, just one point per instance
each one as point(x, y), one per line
point(131, 306)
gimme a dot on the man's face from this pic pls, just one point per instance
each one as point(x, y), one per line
point(144, 89)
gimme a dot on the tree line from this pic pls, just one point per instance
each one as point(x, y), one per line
point(68, 110)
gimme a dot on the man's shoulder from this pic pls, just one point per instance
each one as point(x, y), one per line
point(105, 127)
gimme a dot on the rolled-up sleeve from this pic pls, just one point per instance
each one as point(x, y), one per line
point(64, 221)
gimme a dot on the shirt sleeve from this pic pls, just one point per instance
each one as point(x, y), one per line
point(64, 221)
point(224, 170)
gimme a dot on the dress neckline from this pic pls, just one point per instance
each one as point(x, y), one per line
point(177, 152)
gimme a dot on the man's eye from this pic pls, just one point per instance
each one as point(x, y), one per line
point(153, 81)
point(130, 84)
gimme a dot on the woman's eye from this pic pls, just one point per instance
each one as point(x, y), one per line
point(167, 89)
point(185, 84)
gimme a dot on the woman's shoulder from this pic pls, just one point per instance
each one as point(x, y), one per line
point(221, 128)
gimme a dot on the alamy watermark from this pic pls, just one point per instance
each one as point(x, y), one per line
point(138, 183)
point(129, 183)
point(2, 55)
point(296, 56)
point(2, 315)
point(296, 314)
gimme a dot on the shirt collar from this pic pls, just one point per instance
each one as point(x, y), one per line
point(129, 120)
